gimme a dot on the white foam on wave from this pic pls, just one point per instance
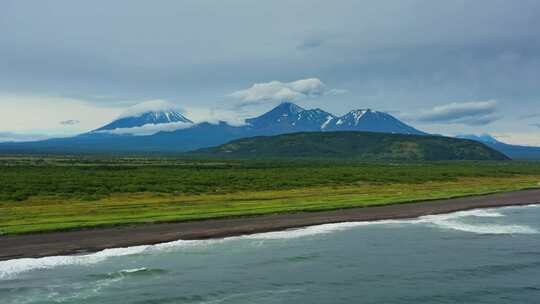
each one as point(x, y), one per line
point(12, 267)
point(449, 221)
point(133, 270)
point(306, 231)
point(453, 221)
point(485, 228)
point(16, 266)
point(330, 228)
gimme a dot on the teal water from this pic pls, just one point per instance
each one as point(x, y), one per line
point(478, 256)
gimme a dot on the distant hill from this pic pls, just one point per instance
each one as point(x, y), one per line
point(358, 145)
point(513, 151)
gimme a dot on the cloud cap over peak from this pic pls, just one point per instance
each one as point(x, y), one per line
point(157, 105)
point(471, 113)
point(283, 91)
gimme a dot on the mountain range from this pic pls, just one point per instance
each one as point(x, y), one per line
point(173, 132)
point(288, 118)
point(168, 131)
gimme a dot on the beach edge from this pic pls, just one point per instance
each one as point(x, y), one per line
point(73, 242)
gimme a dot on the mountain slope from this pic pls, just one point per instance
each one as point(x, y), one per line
point(200, 135)
point(150, 117)
point(483, 138)
point(371, 121)
point(288, 117)
point(359, 145)
point(513, 151)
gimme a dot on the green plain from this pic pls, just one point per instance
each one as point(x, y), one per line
point(39, 194)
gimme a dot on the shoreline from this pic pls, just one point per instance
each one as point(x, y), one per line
point(96, 239)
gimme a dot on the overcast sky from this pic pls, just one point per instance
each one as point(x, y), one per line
point(447, 67)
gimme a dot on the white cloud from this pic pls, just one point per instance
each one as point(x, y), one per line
point(149, 129)
point(149, 106)
point(519, 138)
point(29, 114)
point(195, 114)
point(284, 91)
point(20, 137)
point(467, 113)
point(213, 115)
point(334, 92)
point(29, 117)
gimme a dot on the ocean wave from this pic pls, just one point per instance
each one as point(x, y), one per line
point(307, 231)
point(453, 221)
point(85, 291)
point(13, 267)
point(134, 270)
point(16, 266)
point(485, 228)
point(462, 214)
point(449, 221)
point(141, 271)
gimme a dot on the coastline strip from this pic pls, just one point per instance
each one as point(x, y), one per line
point(92, 240)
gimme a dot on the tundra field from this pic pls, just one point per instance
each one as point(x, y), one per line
point(39, 194)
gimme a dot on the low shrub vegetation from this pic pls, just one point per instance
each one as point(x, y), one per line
point(55, 193)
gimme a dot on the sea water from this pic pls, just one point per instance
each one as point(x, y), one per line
point(477, 256)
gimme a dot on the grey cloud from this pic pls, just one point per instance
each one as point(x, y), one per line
point(467, 113)
point(70, 122)
point(528, 116)
point(174, 53)
point(310, 43)
point(195, 52)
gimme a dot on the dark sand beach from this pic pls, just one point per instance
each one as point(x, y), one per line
point(92, 240)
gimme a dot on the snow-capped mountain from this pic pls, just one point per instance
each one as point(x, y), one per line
point(284, 114)
point(288, 117)
point(371, 121)
point(146, 118)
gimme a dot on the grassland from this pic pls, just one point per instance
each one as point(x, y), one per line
point(56, 193)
